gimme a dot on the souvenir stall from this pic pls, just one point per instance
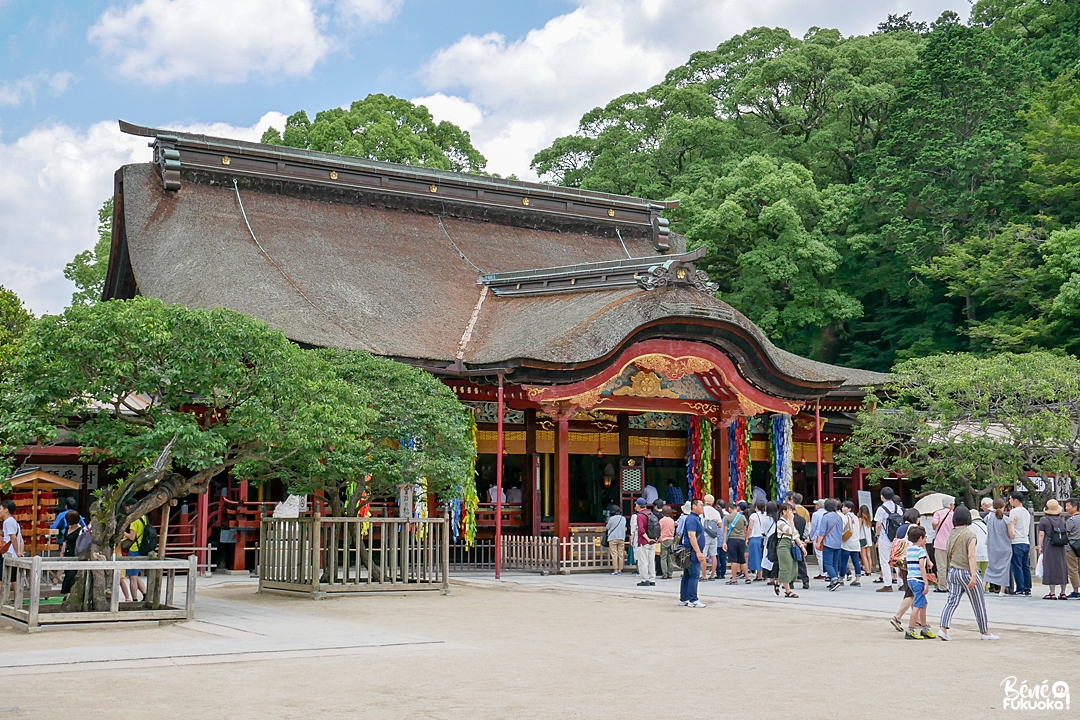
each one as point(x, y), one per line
point(35, 496)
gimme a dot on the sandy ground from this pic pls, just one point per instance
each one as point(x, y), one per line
point(549, 652)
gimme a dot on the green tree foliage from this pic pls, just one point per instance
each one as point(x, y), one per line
point(382, 127)
point(88, 269)
point(774, 234)
point(973, 425)
point(15, 319)
point(137, 381)
point(1044, 30)
point(1053, 147)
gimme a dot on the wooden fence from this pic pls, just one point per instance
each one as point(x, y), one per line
point(22, 604)
point(323, 556)
point(530, 553)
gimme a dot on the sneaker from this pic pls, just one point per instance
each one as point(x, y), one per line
point(835, 584)
point(928, 633)
point(887, 588)
point(643, 583)
point(806, 586)
point(943, 636)
point(912, 635)
point(684, 602)
point(696, 604)
point(989, 636)
point(1073, 595)
point(895, 622)
point(855, 583)
point(617, 572)
point(650, 583)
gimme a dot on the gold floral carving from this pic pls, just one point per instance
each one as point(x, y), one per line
point(587, 399)
point(672, 367)
point(646, 385)
point(749, 407)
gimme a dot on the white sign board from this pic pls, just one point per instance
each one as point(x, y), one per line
point(865, 499)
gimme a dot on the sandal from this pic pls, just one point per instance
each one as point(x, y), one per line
point(732, 582)
point(790, 595)
point(1051, 596)
point(1063, 596)
point(776, 589)
point(749, 581)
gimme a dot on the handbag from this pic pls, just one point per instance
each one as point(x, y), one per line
point(848, 530)
point(796, 553)
point(680, 554)
point(604, 539)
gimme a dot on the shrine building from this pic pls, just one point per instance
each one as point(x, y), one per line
point(617, 366)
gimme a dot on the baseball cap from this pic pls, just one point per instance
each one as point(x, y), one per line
point(641, 502)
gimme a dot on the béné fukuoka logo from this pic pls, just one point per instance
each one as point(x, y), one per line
point(1035, 696)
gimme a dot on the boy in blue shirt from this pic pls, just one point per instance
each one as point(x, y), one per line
point(918, 573)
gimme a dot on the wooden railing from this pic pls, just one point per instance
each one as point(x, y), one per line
point(479, 556)
point(23, 602)
point(321, 556)
point(530, 553)
point(583, 552)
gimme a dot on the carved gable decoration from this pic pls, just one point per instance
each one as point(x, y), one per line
point(641, 380)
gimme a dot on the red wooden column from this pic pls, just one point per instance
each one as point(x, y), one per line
point(499, 485)
point(561, 415)
point(240, 546)
point(532, 493)
point(721, 451)
point(203, 538)
point(817, 443)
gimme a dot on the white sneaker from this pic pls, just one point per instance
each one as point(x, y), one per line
point(683, 602)
point(989, 636)
point(942, 635)
point(696, 604)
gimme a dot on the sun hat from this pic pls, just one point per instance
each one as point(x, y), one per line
point(1052, 507)
point(687, 508)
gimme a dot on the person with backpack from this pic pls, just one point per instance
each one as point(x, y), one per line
point(648, 533)
point(712, 520)
point(887, 520)
point(140, 540)
point(1053, 539)
point(12, 544)
point(734, 542)
point(73, 531)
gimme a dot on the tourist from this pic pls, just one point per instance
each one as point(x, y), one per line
point(1055, 569)
point(1020, 524)
point(513, 495)
point(986, 506)
point(735, 543)
point(943, 524)
point(674, 495)
point(12, 545)
point(693, 533)
point(1072, 550)
point(667, 541)
point(133, 537)
point(73, 529)
point(866, 541)
point(616, 538)
point(796, 499)
point(927, 522)
point(998, 548)
point(721, 554)
point(850, 549)
point(830, 541)
point(802, 531)
point(711, 519)
point(978, 526)
point(815, 521)
point(494, 494)
point(756, 542)
point(964, 576)
point(769, 567)
point(887, 519)
point(644, 546)
point(790, 549)
point(649, 494)
point(898, 559)
point(918, 574)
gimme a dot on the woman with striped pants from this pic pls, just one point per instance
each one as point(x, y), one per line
point(964, 576)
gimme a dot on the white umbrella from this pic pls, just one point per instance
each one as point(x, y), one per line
point(933, 502)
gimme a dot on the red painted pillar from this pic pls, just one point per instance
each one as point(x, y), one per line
point(721, 457)
point(499, 485)
point(203, 540)
point(817, 443)
point(562, 477)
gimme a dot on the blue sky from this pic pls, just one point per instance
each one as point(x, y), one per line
point(515, 74)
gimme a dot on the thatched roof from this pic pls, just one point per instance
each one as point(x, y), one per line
point(382, 269)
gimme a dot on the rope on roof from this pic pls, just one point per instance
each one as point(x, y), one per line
point(461, 254)
point(281, 270)
point(467, 335)
point(623, 244)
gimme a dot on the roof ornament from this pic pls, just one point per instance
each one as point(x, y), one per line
point(677, 272)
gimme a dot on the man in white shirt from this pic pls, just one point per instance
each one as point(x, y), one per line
point(493, 494)
point(12, 545)
point(815, 522)
point(513, 496)
point(1020, 522)
point(713, 521)
point(889, 506)
point(650, 495)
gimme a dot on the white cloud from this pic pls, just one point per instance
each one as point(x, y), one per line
point(457, 110)
point(16, 92)
point(536, 88)
point(160, 41)
point(52, 182)
point(370, 12)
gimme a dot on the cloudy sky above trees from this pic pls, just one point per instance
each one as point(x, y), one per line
point(515, 74)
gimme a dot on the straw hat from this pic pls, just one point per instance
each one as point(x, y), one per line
point(1052, 507)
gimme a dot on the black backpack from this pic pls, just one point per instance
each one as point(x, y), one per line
point(894, 520)
point(652, 527)
point(1058, 535)
point(148, 543)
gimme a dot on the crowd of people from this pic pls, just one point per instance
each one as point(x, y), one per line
point(951, 550)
